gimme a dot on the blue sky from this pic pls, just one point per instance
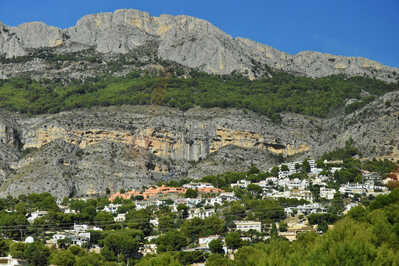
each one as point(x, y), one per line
point(343, 27)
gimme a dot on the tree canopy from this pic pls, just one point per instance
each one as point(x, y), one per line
point(320, 97)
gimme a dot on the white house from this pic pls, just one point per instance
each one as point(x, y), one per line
point(80, 228)
point(305, 209)
point(77, 237)
point(349, 206)
point(35, 215)
point(69, 211)
point(295, 183)
point(317, 181)
point(198, 186)
point(316, 171)
point(10, 261)
point(57, 237)
point(193, 202)
point(335, 169)
point(29, 240)
point(227, 196)
point(154, 222)
point(213, 201)
point(292, 194)
point(312, 164)
point(200, 213)
point(112, 208)
point(283, 174)
point(245, 226)
point(241, 183)
point(80, 238)
point(148, 249)
point(204, 241)
point(311, 208)
point(371, 175)
point(352, 188)
point(121, 217)
point(262, 184)
point(291, 169)
point(142, 204)
point(327, 193)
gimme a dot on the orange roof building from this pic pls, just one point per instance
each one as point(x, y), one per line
point(125, 196)
point(155, 191)
point(210, 190)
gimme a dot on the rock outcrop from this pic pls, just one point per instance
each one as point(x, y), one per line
point(189, 41)
point(84, 152)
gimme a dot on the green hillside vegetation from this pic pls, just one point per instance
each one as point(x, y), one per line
point(320, 97)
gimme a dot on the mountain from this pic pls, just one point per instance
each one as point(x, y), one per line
point(121, 101)
point(86, 151)
point(188, 41)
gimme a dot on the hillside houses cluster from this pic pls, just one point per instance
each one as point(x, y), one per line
point(305, 209)
point(294, 166)
point(275, 187)
point(79, 235)
point(287, 184)
point(284, 186)
point(367, 187)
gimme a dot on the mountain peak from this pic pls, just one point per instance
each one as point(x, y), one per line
point(189, 41)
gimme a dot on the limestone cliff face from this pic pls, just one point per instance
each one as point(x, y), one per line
point(87, 151)
point(38, 35)
point(165, 144)
point(189, 41)
point(9, 145)
point(7, 135)
point(10, 44)
point(82, 138)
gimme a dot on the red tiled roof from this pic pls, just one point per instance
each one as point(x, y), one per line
point(154, 191)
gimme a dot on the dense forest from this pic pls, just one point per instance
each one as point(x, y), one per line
point(320, 97)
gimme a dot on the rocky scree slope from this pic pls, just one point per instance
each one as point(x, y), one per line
point(188, 41)
point(84, 152)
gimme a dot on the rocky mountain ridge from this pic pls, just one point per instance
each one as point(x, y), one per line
point(86, 151)
point(188, 41)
